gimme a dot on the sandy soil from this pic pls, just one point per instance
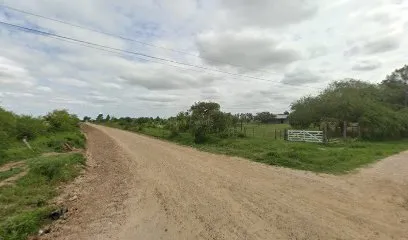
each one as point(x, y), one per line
point(137, 187)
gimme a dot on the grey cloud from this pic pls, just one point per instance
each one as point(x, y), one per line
point(102, 99)
point(157, 98)
point(166, 79)
point(267, 13)
point(300, 77)
point(366, 65)
point(13, 74)
point(63, 100)
point(317, 51)
point(18, 94)
point(246, 49)
point(380, 45)
point(71, 82)
point(382, 17)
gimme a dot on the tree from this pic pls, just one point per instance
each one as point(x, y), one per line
point(61, 120)
point(351, 101)
point(286, 113)
point(108, 118)
point(207, 118)
point(265, 117)
point(86, 119)
point(99, 118)
point(395, 88)
point(7, 123)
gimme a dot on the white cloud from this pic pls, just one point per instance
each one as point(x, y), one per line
point(250, 49)
point(112, 85)
point(300, 76)
point(44, 89)
point(266, 13)
point(295, 44)
point(71, 82)
point(375, 46)
point(160, 77)
point(366, 65)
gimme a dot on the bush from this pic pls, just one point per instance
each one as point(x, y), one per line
point(241, 135)
point(224, 134)
point(56, 168)
point(58, 141)
point(27, 126)
point(62, 121)
point(4, 143)
point(24, 224)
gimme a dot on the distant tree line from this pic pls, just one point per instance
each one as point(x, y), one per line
point(202, 120)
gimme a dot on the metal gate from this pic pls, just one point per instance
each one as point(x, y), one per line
point(305, 136)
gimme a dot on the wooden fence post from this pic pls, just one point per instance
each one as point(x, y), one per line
point(344, 129)
point(275, 133)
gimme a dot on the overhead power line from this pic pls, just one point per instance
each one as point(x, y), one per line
point(129, 39)
point(100, 47)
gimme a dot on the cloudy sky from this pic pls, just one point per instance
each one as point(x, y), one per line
point(251, 55)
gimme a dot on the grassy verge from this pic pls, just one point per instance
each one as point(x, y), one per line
point(24, 206)
point(48, 143)
point(9, 173)
point(334, 158)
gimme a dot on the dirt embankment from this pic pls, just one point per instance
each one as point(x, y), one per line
point(137, 187)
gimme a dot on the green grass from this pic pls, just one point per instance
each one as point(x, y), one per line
point(333, 158)
point(264, 130)
point(9, 173)
point(49, 143)
point(24, 205)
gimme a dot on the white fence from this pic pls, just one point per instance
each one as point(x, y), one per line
point(305, 136)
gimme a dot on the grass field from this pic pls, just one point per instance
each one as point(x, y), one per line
point(50, 143)
point(334, 158)
point(24, 205)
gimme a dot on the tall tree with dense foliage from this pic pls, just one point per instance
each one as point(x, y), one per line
point(373, 106)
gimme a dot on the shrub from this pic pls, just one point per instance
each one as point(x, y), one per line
point(4, 143)
point(58, 141)
point(27, 126)
point(241, 135)
point(62, 121)
point(56, 168)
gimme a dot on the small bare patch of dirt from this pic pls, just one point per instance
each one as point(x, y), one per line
point(8, 166)
point(13, 179)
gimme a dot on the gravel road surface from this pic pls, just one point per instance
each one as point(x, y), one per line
point(137, 187)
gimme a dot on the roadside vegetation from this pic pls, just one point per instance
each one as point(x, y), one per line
point(378, 110)
point(28, 177)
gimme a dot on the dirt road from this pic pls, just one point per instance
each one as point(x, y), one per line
point(137, 187)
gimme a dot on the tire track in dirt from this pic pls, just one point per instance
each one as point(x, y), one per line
point(138, 187)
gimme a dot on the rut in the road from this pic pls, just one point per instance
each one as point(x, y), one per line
point(143, 188)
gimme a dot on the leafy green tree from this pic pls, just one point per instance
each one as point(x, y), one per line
point(351, 101)
point(207, 118)
point(265, 117)
point(108, 118)
point(61, 120)
point(395, 88)
point(99, 118)
point(7, 122)
point(87, 119)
